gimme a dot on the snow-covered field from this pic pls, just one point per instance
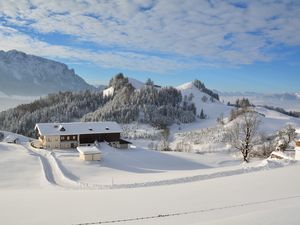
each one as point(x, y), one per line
point(208, 184)
point(265, 196)
point(19, 168)
point(140, 186)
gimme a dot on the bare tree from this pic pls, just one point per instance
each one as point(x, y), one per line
point(245, 132)
point(164, 144)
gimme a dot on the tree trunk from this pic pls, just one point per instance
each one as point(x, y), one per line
point(245, 155)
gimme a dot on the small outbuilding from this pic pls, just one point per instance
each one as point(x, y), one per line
point(298, 143)
point(12, 139)
point(89, 153)
point(297, 150)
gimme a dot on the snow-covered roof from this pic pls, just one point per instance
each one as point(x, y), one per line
point(10, 138)
point(88, 150)
point(78, 128)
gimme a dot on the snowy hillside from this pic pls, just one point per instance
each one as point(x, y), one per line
point(273, 121)
point(136, 83)
point(211, 107)
point(22, 74)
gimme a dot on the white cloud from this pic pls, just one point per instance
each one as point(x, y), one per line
point(184, 29)
point(13, 39)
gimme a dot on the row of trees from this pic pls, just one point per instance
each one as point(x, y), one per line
point(198, 84)
point(281, 110)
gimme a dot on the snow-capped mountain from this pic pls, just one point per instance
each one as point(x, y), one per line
point(23, 74)
point(287, 101)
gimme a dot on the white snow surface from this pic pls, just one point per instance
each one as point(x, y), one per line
point(136, 83)
point(88, 149)
point(273, 121)
point(212, 109)
point(108, 91)
point(267, 192)
point(19, 168)
point(78, 128)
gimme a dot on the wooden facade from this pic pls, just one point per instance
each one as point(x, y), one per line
point(72, 141)
point(72, 135)
point(91, 138)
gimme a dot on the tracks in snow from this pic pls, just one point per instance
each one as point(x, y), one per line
point(51, 170)
point(159, 216)
point(55, 175)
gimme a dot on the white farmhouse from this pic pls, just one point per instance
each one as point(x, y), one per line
point(71, 135)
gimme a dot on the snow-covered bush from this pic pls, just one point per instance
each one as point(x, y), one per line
point(263, 150)
point(285, 137)
point(194, 140)
point(137, 131)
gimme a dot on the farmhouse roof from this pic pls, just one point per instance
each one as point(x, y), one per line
point(88, 150)
point(78, 128)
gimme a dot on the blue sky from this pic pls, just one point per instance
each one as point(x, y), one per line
point(230, 45)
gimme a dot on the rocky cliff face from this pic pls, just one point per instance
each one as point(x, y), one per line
point(23, 74)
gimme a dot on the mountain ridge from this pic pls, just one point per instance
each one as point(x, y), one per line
point(25, 74)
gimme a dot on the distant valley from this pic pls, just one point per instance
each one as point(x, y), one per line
point(287, 101)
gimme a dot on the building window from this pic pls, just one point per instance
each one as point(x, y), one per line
point(62, 138)
point(74, 137)
point(68, 138)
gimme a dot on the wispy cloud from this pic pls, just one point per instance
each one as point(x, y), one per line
point(152, 35)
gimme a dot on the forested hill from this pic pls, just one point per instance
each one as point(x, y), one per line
point(159, 107)
point(62, 106)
